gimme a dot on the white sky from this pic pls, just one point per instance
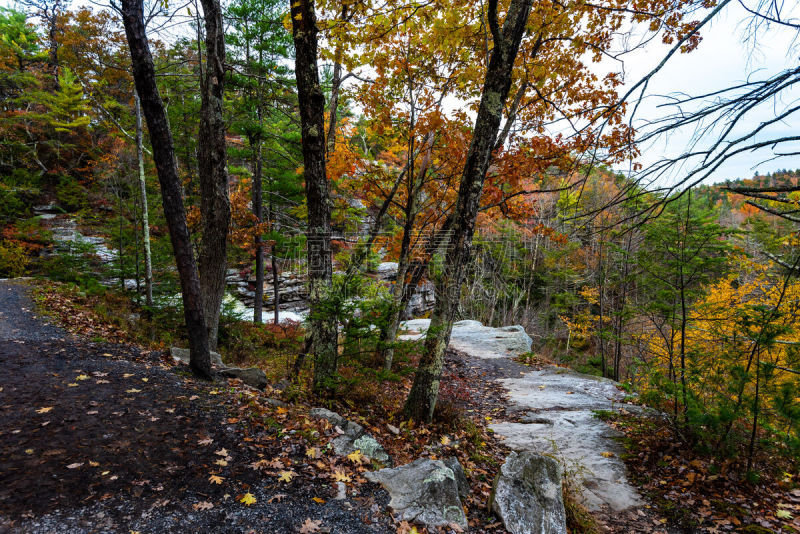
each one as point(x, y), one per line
point(723, 59)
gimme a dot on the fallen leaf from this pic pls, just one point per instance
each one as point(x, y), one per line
point(310, 526)
point(133, 390)
point(278, 497)
point(317, 499)
point(445, 441)
point(215, 479)
point(221, 462)
point(286, 476)
point(221, 452)
point(356, 457)
point(607, 454)
point(75, 465)
point(202, 505)
point(248, 499)
point(127, 375)
point(783, 514)
point(312, 452)
point(206, 441)
point(82, 377)
point(341, 476)
point(44, 410)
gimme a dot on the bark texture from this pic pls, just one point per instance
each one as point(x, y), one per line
point(215, 205)
point(171, 191)
point(424, 392)
point(148, 263)
point(323, 333)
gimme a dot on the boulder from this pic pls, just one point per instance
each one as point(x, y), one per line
point(424, 491)
point(527, 495)
point(353, 437)
point(461, 477)
point(253, 376)
point(182, 355)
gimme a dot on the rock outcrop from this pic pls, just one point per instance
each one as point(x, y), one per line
point(475, 339)
point(424, 491)
point(253, 376)
point(527, 495)
point(353, 437)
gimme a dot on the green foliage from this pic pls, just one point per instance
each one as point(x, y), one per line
point(12, 206)
point(13, 259)
point(71, 196)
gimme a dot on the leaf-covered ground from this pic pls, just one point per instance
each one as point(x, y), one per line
point(107, 437)
point(701, 493)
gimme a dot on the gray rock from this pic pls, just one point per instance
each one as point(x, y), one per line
point(353, 438)
point(475, 339)
point(253, 376)
point(332, 417)
point(527, 495)
point(275, 402)
point(182, 355)
point(424, 491)
point(461, 477)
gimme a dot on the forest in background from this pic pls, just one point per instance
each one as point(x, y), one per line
point(686, 297)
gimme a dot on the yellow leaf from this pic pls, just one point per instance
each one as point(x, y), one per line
point(248, 499)
point(82, 377)
point(783, 514)
point(72, 385)
point(285, 476)
point(215, 479)
point(28, 451)
point(281, 410)
point(312, 452)
point(317, 499)
point(606, 454)
point(356, 457)
point(127, 375)
point(145, 380)
point(341, 476)
point(221, 462)
point(94, 464)
point(445, 440)
point(44, 410)
point(133, 390)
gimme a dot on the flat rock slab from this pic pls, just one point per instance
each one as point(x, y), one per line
point(558, 419)
point(475, 339)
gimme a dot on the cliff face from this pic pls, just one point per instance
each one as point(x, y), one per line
point(293, 290)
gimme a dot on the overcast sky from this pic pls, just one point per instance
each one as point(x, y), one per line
point(723, 59)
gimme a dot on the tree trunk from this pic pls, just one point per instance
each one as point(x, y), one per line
point(148, 262)
point(215, 206)
point(257, 212)
point(323, 332)
point(171, 192)
point(424, 392)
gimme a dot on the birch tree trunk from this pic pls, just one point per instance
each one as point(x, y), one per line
point(148, 263)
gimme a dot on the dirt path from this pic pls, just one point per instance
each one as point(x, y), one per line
point(110, 438)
